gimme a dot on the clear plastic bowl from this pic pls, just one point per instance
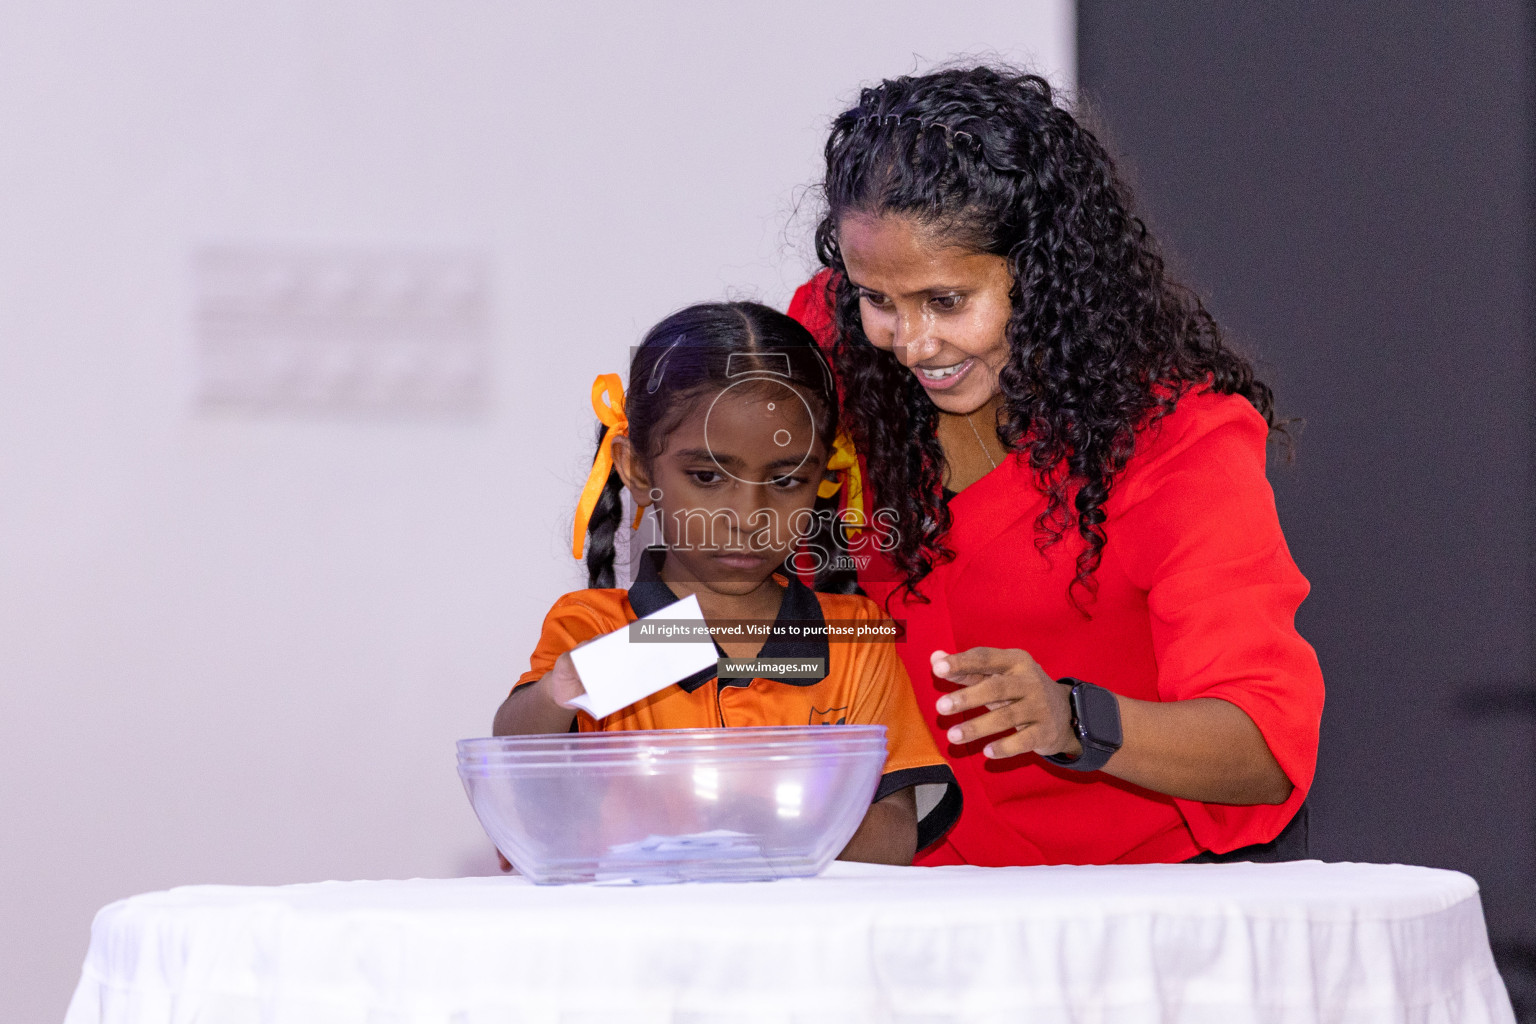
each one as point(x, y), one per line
point(674, 805)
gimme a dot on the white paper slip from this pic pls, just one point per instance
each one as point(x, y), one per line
point(616, 672)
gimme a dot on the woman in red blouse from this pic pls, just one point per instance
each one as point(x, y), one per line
point(1068, 467)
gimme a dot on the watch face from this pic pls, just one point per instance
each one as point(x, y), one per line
point(1098, 714)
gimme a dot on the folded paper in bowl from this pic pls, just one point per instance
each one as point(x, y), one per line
point(617, 672)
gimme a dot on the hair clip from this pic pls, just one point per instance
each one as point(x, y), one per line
point(897, 120)
point(657, 372)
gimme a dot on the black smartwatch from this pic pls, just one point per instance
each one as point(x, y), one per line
point(1096, 720)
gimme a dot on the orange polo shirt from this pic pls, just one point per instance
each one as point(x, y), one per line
point(865, 683)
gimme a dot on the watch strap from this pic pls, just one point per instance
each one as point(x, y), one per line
point(1096, 721)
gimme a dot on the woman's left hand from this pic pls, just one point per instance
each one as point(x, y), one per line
point(1027, 709)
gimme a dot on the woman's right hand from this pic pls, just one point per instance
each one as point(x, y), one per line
point(1027, 710)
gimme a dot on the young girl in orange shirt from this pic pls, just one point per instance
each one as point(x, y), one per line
point(726, 436)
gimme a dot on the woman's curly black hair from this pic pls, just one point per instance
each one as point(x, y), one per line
point(1102, 341)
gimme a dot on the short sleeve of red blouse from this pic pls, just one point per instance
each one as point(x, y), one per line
point(809, 306)
point(1199, 532)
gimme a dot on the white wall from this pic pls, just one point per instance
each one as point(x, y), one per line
point(237, 647)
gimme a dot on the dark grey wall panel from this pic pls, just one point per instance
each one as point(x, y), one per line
point(1351, 187)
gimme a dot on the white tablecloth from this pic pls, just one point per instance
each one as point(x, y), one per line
point(1213, 944)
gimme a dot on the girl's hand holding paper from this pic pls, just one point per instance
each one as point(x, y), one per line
point(610, 672)
point(615, 670)
point(562, 684)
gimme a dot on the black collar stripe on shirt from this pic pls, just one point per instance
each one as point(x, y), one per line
point(650, 593)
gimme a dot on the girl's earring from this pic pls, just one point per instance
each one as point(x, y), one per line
point(654, 505)
point(655, 496)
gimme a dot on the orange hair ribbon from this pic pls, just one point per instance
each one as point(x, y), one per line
point(846, 461)
point(608, 403)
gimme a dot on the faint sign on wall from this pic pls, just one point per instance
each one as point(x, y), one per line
point(294, 330)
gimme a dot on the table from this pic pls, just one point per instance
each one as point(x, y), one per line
point(1198, 943)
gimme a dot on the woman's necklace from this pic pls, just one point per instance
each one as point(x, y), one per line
point(979, 441)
